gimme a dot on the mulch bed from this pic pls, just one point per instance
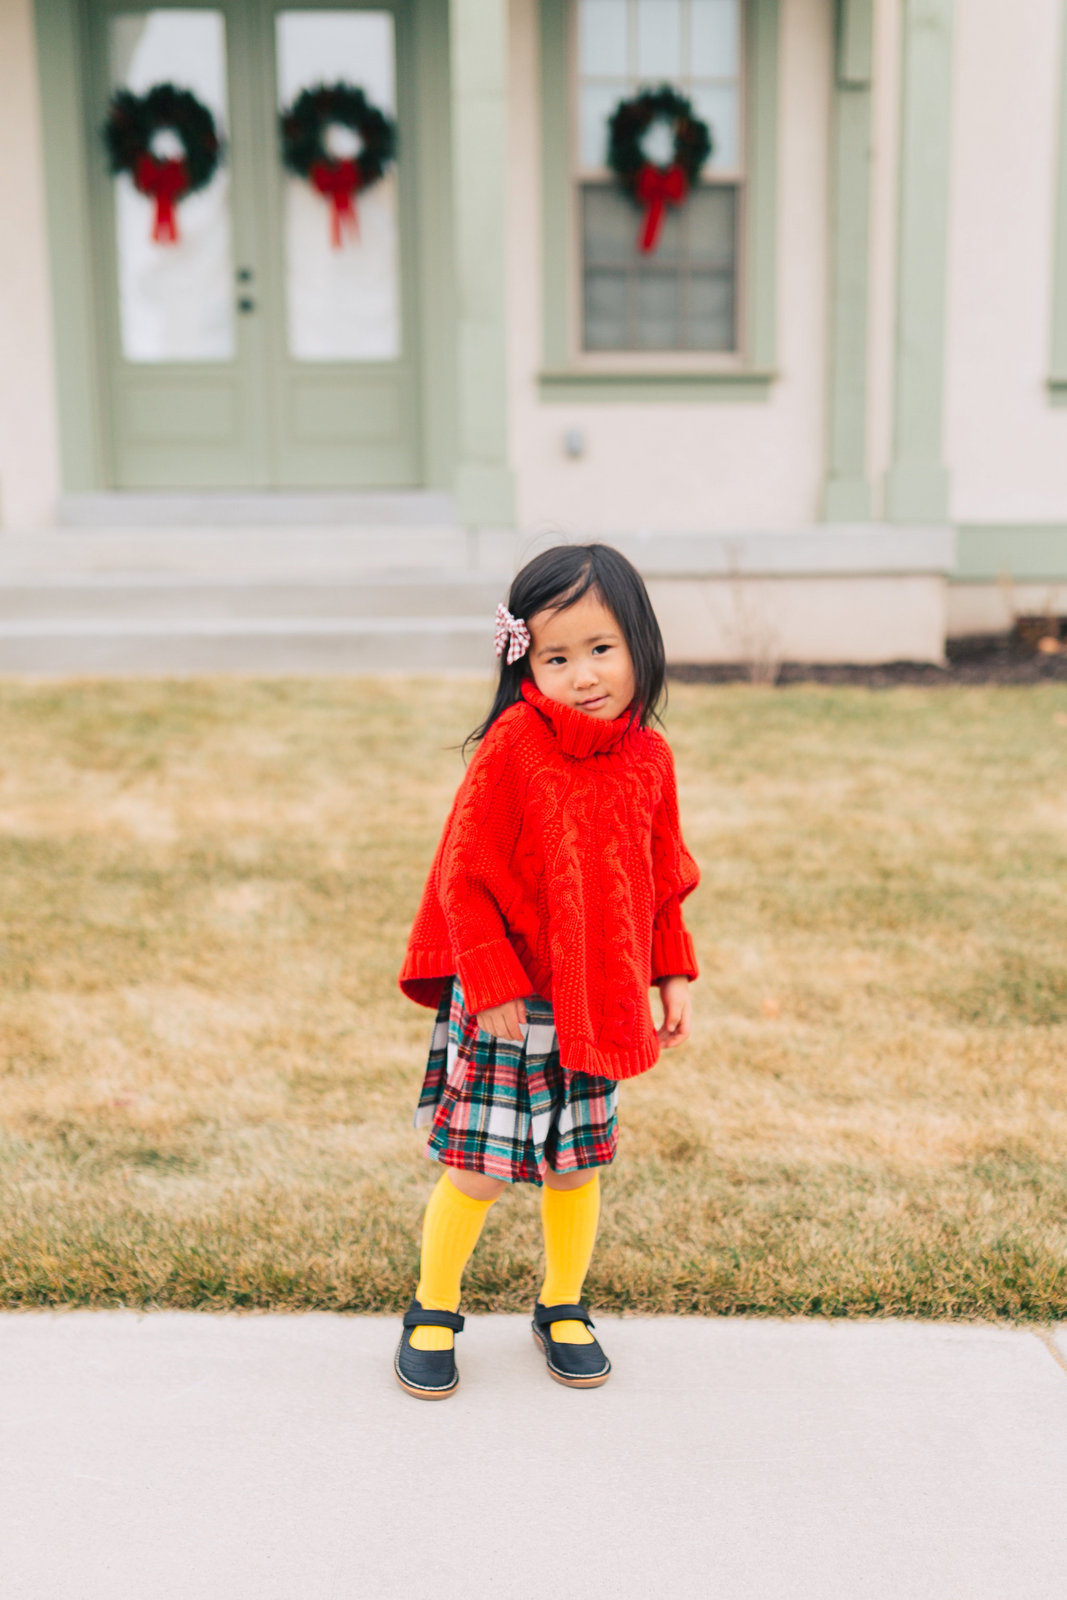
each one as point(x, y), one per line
point(1000, 659)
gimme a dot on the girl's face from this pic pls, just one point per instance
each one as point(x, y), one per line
point(579, 658)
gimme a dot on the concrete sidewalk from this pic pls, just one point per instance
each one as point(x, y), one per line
point(186, 1457)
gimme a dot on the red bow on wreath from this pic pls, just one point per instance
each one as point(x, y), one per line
point(656, 189)
point(339, 182)
point(164, 182)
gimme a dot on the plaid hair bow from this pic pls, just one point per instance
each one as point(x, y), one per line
point(511, 631)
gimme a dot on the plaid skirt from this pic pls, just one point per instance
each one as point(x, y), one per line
point(509, 1110)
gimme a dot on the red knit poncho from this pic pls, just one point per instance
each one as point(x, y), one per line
point(561, 872)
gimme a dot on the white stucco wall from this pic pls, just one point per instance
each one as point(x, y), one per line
point(881, 303)
point(29, 467)
point(1006, 448)
point(697, 466)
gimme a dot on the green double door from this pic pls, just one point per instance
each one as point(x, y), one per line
point(254, 351)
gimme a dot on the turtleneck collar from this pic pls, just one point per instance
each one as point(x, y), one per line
point(577, 733)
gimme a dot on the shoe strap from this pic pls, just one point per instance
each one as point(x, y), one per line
point(417, 1317)
point(544, 1315)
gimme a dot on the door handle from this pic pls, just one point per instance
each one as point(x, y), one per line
point(246, 303)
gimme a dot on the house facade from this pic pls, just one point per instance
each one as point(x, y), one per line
point(830, 396)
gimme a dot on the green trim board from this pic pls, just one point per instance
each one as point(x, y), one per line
point(555, 217)
point(917, 482)
point(854, 43)
point(759, 292)
point(572, 383)
point(83, 442)
point(847, 493)
point(1057, 382)
point(1030, 552)
point(761, 224)
point(437, 287)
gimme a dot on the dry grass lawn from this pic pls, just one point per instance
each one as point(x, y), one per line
point(207, 1073)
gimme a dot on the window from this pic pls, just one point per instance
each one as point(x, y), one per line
point(683, 296)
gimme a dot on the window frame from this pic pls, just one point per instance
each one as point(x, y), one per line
point(570, 372)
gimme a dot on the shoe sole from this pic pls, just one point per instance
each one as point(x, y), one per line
point(569, 1383)
point(424, 1394)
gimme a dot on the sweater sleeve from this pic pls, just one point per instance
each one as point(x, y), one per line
point(476, 883)
point(675, 875)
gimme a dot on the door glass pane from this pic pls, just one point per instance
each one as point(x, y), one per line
point(342, 303)
point(175, 298)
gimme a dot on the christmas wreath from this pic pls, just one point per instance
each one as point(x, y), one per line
point(652, 186)
point(133, 121)
point(305, 152)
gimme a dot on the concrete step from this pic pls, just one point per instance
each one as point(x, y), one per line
point(237, 553)
point(289, 610)
point(265, 646)
point(394, 597)
point(172, 598)
point(258, 509)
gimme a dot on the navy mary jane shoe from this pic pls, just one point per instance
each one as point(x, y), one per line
point(427, 1374)
point(579, 1366)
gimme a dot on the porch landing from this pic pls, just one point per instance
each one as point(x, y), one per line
point(292, 584)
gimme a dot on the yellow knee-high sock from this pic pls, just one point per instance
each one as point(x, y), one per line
point(450, 1231)
point(569, 1218)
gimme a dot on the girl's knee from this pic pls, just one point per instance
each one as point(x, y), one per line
point(475, 1185)
point(571, 1180)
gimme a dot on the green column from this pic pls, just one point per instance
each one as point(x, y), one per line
point(917, 482)
point(848, 491)
point(479, 37)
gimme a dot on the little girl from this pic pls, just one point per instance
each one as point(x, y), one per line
point(553, 905)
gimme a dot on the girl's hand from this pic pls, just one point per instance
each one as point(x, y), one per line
point(677, 1012)
point(504, 1022)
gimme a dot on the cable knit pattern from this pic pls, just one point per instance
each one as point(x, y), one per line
point(561, 872)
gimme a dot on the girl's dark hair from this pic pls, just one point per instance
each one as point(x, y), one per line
point(554, 581)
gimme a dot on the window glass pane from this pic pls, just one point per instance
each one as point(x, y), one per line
point(595, 104)
point(711, 312)
point(715, 39)
point(658, 321)
point(610, 226)
point(659, 39)
point(711, 226)
point(711, 220)
point(602, 38)
point(605, 311)
point(682, 296)
point(717, 105)
point(341, 304)
point(176, 300)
